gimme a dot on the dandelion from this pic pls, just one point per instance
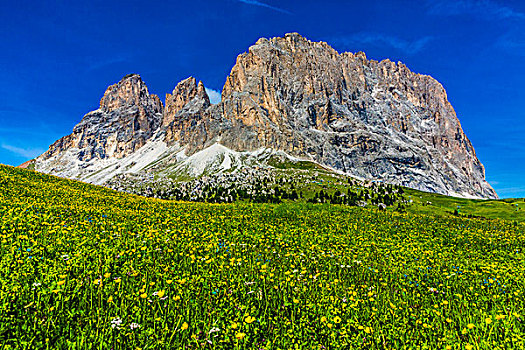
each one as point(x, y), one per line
point(334, 297)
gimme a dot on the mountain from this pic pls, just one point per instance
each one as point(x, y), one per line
point(297, 98)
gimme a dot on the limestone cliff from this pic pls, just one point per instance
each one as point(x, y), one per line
point(374, 120)
point(127, 117)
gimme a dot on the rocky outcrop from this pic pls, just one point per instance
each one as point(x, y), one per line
point(187, 95)
point(374, 120)
point(184, 112)
point(127, 117)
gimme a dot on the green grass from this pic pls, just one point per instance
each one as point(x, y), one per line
point(278, 163)
point(84, 267)
point(445, 206)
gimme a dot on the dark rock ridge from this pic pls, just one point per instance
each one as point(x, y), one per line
point(370, 119)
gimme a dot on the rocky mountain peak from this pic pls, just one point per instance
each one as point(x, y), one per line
point(376, 120)
point(186, 92)
point(185, 109)
point(128, 92)
point(373, 120)
point(128, 116)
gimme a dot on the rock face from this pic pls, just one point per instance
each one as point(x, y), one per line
point(184, 113)
point(374, 120)
point(127, 117)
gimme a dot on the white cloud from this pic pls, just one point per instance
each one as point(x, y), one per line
point(407, 46)
point(487, 9)
point(23, 152)
point(262, 4)
point(214, 95)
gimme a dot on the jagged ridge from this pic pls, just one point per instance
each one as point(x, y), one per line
point(374, 120)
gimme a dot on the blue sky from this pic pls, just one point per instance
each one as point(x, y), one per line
point(58, 57)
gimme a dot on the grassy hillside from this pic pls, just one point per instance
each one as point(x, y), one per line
point(431, 203)
point(85, 267)
point(309, 180)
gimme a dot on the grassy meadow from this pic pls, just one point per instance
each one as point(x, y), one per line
point(435, 204)
point(84, 267)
